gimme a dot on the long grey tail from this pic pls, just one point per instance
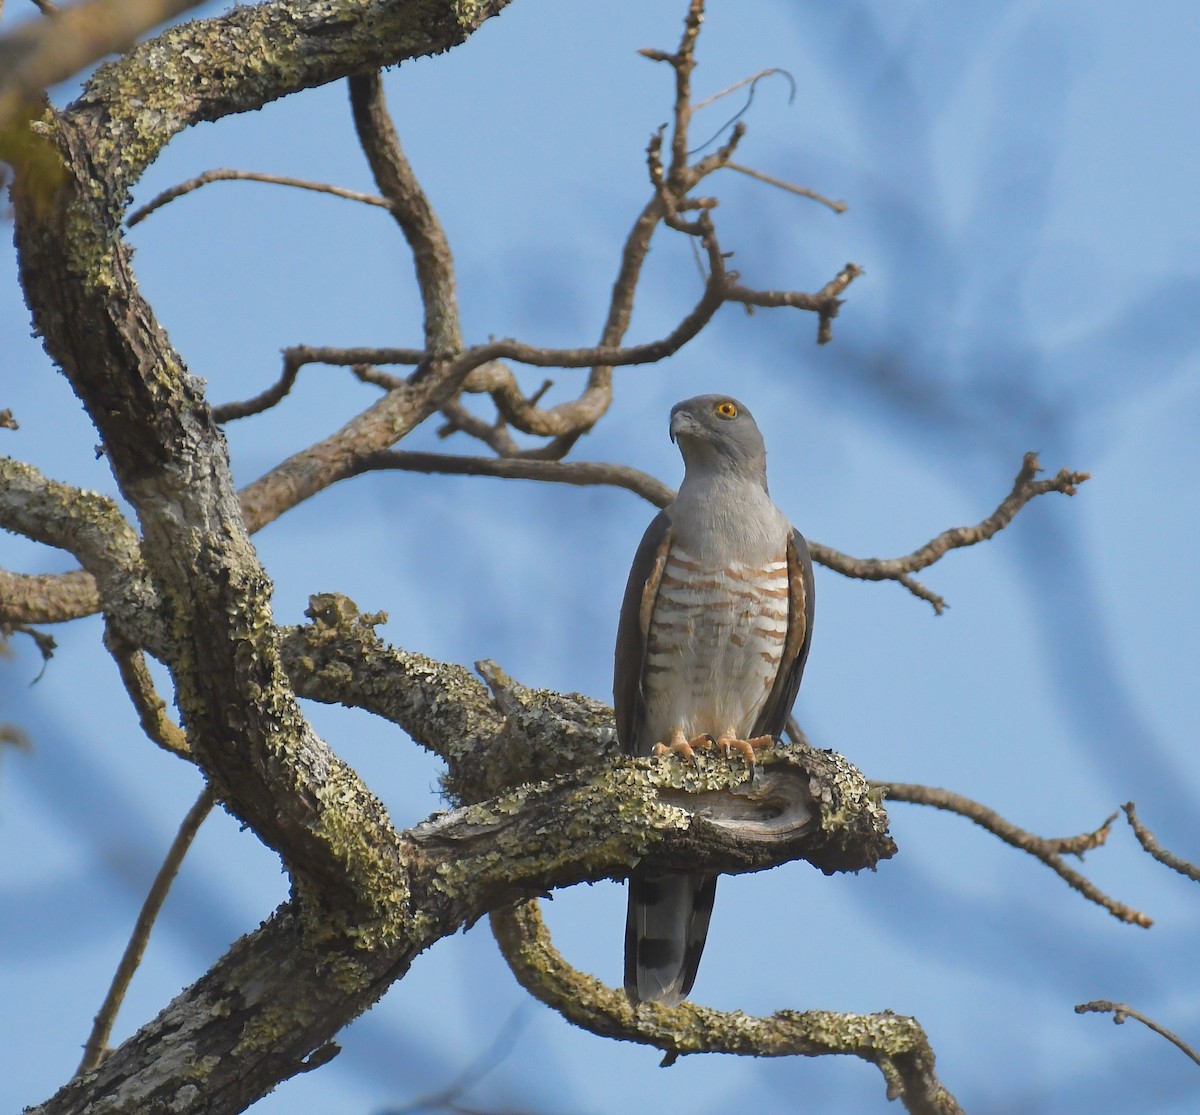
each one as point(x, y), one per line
point(664, 934)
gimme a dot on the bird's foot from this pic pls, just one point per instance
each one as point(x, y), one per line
point(679, 744)
point(728, 742)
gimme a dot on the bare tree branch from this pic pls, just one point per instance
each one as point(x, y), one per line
point(224, 174)
point(779, 183)
point(580, 473)
point(1121, 1011)
point(56, 599)
point(297, 357)
point(1148, 841)
point(1025, 488)
point(432, 258)
point(1049, 851)
point(96, 1048)
point(897, 1045)
point(151, 708)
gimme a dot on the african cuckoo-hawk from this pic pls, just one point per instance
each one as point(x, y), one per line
point(712, 640)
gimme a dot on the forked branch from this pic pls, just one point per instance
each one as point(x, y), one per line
point(1025, 488)
point(1049, 850)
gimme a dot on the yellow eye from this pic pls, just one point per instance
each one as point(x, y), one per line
point(726, 409)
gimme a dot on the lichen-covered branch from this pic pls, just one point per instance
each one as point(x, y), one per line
point(47, 597)
point(338, 659)
point(507, 735)
point(282, 993)
point(896, 1044)
point(89, 526)
point(38, 55)
point(213, 598)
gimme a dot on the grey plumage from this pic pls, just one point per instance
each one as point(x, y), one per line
point(713, 636)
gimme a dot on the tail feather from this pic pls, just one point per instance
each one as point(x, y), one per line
point(665, 930)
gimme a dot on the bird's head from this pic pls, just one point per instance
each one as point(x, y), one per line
point(717, 433)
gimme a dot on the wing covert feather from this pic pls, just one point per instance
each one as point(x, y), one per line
point(775, 712)
point(637, 608)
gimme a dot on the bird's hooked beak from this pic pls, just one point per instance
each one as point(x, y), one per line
point(682, 423)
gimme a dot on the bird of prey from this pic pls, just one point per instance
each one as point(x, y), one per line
point(712, 640)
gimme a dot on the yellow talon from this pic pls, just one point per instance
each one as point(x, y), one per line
point(745, 747)
point(679, 744)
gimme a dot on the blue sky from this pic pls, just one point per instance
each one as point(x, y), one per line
point(1021, 183)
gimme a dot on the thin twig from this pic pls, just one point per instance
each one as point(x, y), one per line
point(226, 174)
point(752, 80)
point(45, 644)
point(1049, 851)
point(1025, 488)
point(779, 183)
point(298, 356)
point(825, 303)
point(753, 83)
point(580, 473)
point(1148, 841)
point(97, 1044)
point(525, 466)
point(1121, 1011)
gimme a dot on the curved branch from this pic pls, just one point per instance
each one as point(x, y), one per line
point(317, 967)
point(224, 174)
point(1121, 1011)
point(1049, 851)
point(92, 528)
point(578, 473)
point(297, 356)
point(896, 1044)
point(161, 87)
point(1150, 844)
point(432, 258)
point(151, 708)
